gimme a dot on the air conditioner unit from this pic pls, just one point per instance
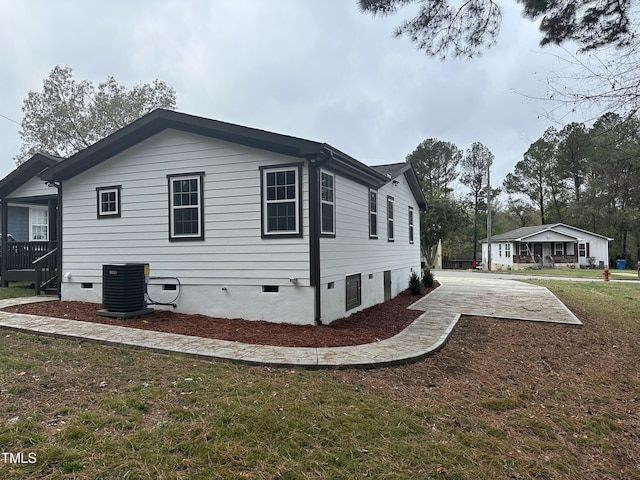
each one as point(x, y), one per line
point(123, 290)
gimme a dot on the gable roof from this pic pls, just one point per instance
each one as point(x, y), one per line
point(391, 170)
point(161, 119)
point(521, 234)
point(394, 170)
point(26, 171)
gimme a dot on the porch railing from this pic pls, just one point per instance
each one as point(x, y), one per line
point(527, 259)
point(21, 255)
point(547, 260)
point(561, 259)
point(46, 270)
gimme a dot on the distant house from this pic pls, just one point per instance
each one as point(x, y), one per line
point(547, 246)
point(233, 221)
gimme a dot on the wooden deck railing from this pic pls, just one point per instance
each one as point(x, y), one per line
point(35, 262)
point(46, 270)
point(21, 255)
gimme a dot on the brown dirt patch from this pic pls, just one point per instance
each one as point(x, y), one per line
point(367, 326)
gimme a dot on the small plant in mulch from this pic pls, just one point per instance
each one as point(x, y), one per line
point(427, 278)
point(414, 284)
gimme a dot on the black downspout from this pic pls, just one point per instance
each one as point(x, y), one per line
point(52, 213)
point(5, 226)
point(58, 185)
point(314, 236)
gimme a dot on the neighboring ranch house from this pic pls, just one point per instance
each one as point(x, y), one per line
point(547, 246)
point(233, 221)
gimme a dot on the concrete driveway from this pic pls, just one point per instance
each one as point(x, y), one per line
point(482, 294)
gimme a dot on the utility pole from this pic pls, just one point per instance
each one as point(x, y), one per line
point(489, 214)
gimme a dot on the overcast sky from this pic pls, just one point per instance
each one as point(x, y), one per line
point(316, 69)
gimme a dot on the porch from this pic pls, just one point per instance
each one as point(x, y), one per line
point(546, 255)
point(28, 252)
point(550, 261)
point(34, 262)
point(29, 220)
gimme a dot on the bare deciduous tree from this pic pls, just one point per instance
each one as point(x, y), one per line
point(68, 116)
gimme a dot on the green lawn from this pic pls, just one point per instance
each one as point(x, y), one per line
point(501, 400)
point(576, 273)
point(16, 290)
point(618, 303)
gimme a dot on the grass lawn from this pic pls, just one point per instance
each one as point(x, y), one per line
point(16, 290)
point(502, 399)
point(576, 273)
point(618, 303)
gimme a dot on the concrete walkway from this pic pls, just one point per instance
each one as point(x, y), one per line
point(458, 295)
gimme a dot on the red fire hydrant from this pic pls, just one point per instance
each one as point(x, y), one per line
point(606, 274)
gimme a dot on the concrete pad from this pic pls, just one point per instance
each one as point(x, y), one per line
point(483, 295)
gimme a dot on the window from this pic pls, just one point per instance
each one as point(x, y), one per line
point(327, 199)
point(281, 201)
point(354, 296)
point(524, 249)
point(373, 214)
point(185, 207)
point(108, 201)
point(507, 250)
point(410, 224)
point(390, 221)
point(558, 248)
point(39, 224)
point(582, 250)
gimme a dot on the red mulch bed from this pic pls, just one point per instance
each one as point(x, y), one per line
point(367, 326)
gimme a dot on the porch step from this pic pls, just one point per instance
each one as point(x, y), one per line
point(51, 291)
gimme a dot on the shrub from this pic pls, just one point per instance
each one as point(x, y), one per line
point(427, 278)
point(414, 284)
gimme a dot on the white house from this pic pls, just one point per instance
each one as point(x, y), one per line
point(550, 246)
point(235, 222)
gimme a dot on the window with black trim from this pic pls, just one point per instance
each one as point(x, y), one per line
point(327, 201)
point(373, 214)
point(281, 192)
point(410, 224)
point(186, 215)
point(108, 201)
point(390, 219)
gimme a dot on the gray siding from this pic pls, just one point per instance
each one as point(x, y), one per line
point(18, 223)
point(232, 251)
point(353, 252)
